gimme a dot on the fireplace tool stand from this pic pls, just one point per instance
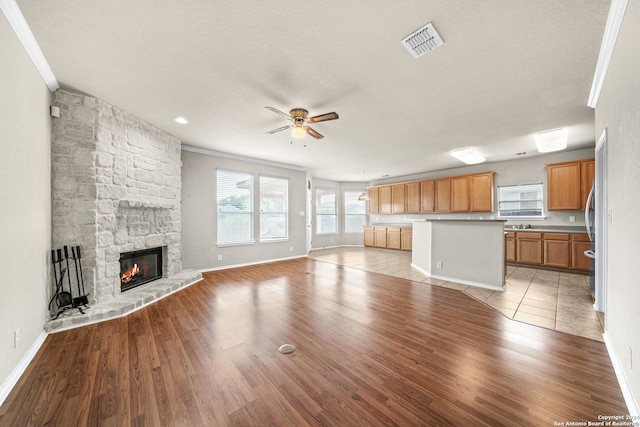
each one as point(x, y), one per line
point(64, 299)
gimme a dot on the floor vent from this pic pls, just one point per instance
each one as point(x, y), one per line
point(422, 41)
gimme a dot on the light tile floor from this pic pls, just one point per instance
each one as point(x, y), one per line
point(550, 299)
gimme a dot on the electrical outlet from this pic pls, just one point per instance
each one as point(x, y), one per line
point(290, 248)
point(16, 338)
point(438, 264)
point(572, 218)
point(219, 257)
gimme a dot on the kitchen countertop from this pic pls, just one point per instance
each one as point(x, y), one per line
point(549, 229)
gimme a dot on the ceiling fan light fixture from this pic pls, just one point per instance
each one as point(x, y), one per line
point(551, 140)
point(298, 132)
point(468, 155)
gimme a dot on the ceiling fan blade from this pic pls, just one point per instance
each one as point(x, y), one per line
point(275, 110)
point(323, 117)
point(313, 133)
point(280, 129)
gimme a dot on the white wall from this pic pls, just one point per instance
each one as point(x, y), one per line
point(199, 227)
point(25, 200)
point(518, 171)
point(618, 111)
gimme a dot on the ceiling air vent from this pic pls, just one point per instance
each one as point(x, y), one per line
point(422, 41)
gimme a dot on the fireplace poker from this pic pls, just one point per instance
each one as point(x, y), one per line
point(81, 299)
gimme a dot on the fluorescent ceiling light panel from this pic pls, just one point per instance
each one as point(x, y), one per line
point(468, 155)
point(21, 28)
point(553, 140)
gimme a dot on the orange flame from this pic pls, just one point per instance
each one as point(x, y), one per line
point(130, 274)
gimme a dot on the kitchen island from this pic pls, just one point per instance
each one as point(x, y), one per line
point(470, 251)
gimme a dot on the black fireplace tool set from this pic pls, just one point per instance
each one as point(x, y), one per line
point(64, 298)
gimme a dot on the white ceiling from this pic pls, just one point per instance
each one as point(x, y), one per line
point(507, 70)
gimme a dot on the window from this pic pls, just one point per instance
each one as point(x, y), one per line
point(235, 207)
point(273, 208)
point(355, 212)
point(516, 201)
point(326, 211)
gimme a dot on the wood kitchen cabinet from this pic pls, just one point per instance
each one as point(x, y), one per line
point(443, 195)
point(384, 200)
point(569, 183)
point(460, 194)
point(481, 192)
point(579, 244)
point(510, 247)
point(369, 236)
point(380, 237)
point(413, 196)
point(393, 238)
point(397, 198)
point(587, 175)
point(557, 250)
point(427, 196)
point(406, 236)
point(529, 248)
point(373, 193)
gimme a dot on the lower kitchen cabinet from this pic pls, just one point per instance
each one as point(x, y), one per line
point(393, 238)
point(406, 235)
point(510, 247)
point(369, 236)
point(388, 237)
point(380, 237)
point(529, 248)
point(557, 251)
point(579, 244)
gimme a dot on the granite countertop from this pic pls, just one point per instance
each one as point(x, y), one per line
point(549, 229)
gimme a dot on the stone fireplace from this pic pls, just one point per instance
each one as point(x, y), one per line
point(116, 189)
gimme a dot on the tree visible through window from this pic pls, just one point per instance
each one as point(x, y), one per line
point(273, 208)
point(326, 211)
point(516, 201)
point(235, 207)
point(355, 212)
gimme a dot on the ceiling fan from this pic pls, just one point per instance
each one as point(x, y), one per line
point(299, 118)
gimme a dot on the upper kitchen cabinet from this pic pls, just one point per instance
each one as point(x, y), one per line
point(427, 196)
point(397, 198)
point(443, 195)
point(384, 200)
point(373, 199)
point(412, 191)
point(569, 183)
point(587, 175)
point(481, 189)
point(460, 194)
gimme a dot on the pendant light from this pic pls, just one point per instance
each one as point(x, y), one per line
point(364, 196)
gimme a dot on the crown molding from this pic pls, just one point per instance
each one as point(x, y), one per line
point(21, 28)
point(611, 31)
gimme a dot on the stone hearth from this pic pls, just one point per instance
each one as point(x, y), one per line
point(116, 188)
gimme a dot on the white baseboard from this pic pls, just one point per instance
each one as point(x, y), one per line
point(627, 393)
point(246, 264)
point(17, 372)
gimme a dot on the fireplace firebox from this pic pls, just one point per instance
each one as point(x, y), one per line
point(140, 267)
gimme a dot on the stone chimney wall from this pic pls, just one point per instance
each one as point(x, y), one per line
point(116, 188)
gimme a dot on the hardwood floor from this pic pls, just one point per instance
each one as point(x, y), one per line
point(371, 349)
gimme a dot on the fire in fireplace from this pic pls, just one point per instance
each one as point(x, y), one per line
point(140, 267)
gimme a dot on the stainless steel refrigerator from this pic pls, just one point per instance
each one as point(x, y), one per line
point(589, 220)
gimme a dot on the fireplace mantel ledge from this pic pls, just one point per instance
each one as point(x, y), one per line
point(139, 204)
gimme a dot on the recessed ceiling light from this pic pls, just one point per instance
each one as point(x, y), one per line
point(468, 155)
point(552, 140)
point(181, 120)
